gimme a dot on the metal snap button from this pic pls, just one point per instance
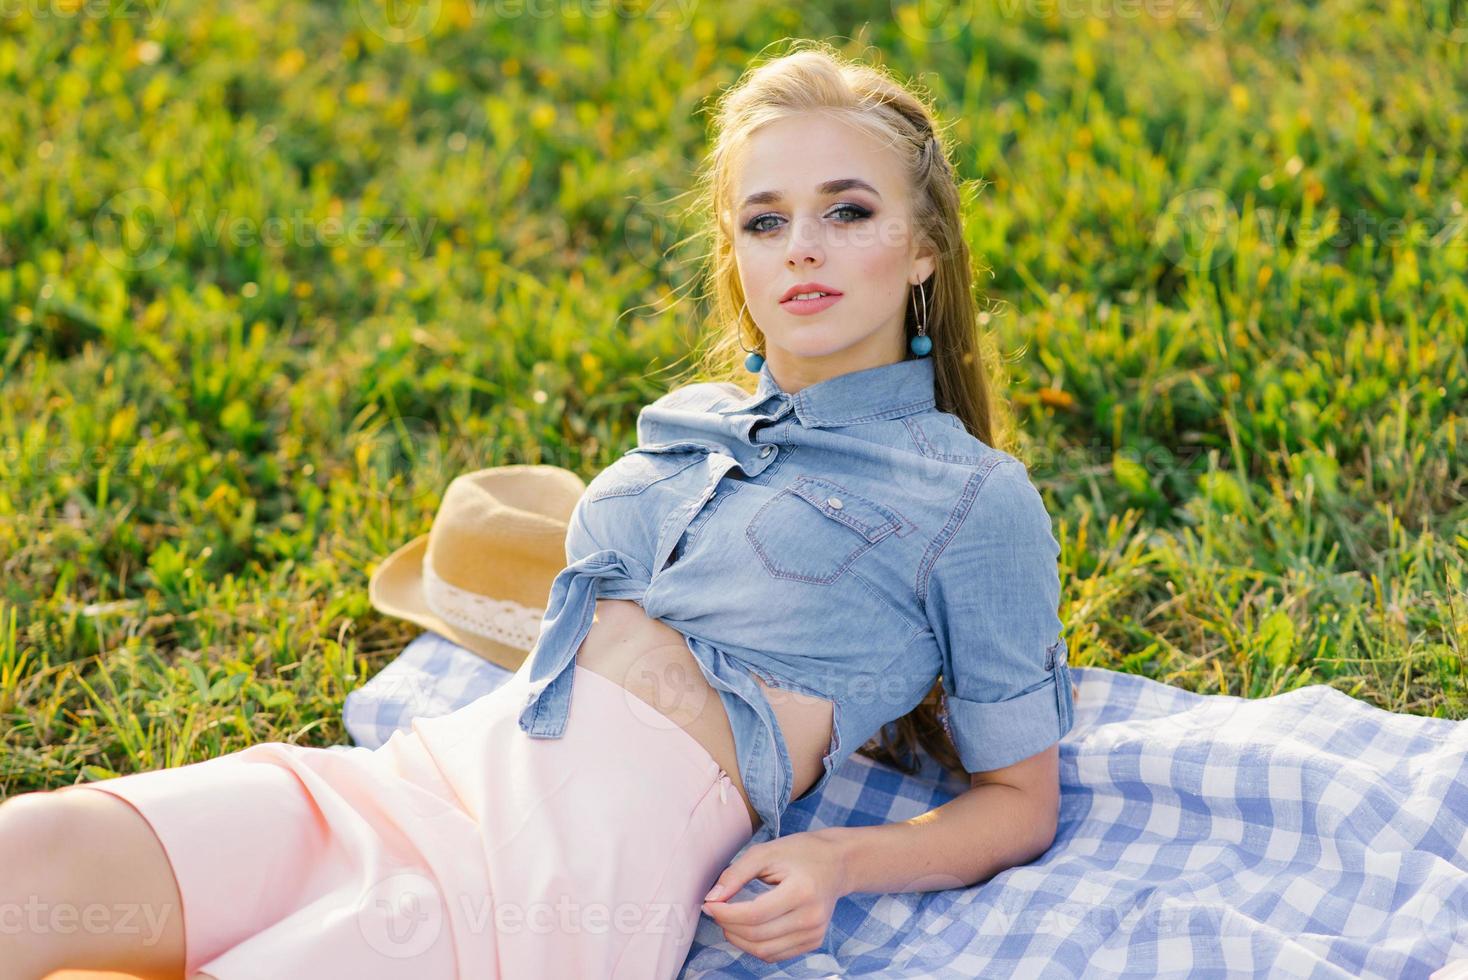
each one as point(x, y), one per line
point(834, 502)
point(766, 451)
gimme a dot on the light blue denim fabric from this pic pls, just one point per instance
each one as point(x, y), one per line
point(849, 541)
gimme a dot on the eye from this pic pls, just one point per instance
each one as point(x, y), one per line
point(857, 212)
point(754, 225)
point(856, 209)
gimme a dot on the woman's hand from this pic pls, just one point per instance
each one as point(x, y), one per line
point(791, 918)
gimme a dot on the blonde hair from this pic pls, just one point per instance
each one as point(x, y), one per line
point(813, 77)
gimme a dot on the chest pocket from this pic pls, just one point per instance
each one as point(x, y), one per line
point(813, 530)
point(642, 466)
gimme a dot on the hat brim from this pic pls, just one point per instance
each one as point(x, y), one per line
point(396, 589)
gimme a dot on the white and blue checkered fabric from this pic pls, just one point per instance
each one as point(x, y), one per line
point(1307, 834)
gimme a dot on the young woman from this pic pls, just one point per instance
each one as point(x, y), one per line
point(769, 580)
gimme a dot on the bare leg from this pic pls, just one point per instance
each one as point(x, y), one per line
point(85, 883)
point(106, 975)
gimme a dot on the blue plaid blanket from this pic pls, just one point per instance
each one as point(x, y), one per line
point(1307, 834)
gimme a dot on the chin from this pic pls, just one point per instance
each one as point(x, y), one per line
point(843, 345)
point(816, 340)
point(813, 351)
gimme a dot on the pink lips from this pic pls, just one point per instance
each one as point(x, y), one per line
point(808, 287)
point(805, 307)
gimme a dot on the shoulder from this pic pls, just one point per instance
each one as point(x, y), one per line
point(999, 522)
point(947, 462)
point(1000, 488)
point(942, 435)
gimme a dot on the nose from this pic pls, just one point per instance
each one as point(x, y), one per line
point(805, 243)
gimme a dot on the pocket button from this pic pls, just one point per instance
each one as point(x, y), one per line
point(766, 451)
point(835, 502)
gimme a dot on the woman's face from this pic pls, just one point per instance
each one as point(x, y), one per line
point(852, 237)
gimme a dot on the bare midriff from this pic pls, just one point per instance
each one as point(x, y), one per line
point(651, 660)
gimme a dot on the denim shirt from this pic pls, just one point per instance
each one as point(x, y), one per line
point(848, 541)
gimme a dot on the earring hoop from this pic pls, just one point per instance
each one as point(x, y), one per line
point(922, 344)
point(753, 360)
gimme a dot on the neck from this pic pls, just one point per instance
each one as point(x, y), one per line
point(793, 372)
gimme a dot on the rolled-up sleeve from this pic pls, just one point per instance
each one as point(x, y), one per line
point(992, 601)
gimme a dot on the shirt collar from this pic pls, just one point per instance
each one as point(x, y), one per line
point(886, 391)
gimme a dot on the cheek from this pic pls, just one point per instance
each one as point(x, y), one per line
point(753, 259)
point(882, 269)
point(878, 251)
point(758, 268)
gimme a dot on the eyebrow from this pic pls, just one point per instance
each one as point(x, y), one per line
point(826, 189)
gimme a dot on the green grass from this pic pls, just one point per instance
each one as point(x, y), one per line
point(1230, 247)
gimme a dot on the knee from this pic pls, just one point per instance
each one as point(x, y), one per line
point(45, 826)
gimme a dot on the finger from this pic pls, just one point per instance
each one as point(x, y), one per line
point(772, 904)
point(801, 919)
point(749, 865)
point(796, 945)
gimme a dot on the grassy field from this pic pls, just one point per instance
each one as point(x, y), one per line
point(272, 275)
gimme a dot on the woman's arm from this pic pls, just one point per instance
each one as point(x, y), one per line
point(1007, 818)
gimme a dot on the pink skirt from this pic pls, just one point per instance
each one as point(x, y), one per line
point(464, 848)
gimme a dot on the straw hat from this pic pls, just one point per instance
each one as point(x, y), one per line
point(482, 574)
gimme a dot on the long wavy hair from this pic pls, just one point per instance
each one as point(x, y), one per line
point(814, 77)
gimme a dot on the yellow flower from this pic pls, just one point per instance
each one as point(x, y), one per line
point(1055, 398)
point(290, 62)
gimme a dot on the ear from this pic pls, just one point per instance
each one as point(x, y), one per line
point(923, 265)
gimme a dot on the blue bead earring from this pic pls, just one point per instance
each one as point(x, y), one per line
point(922, 344)
point(753, 360)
